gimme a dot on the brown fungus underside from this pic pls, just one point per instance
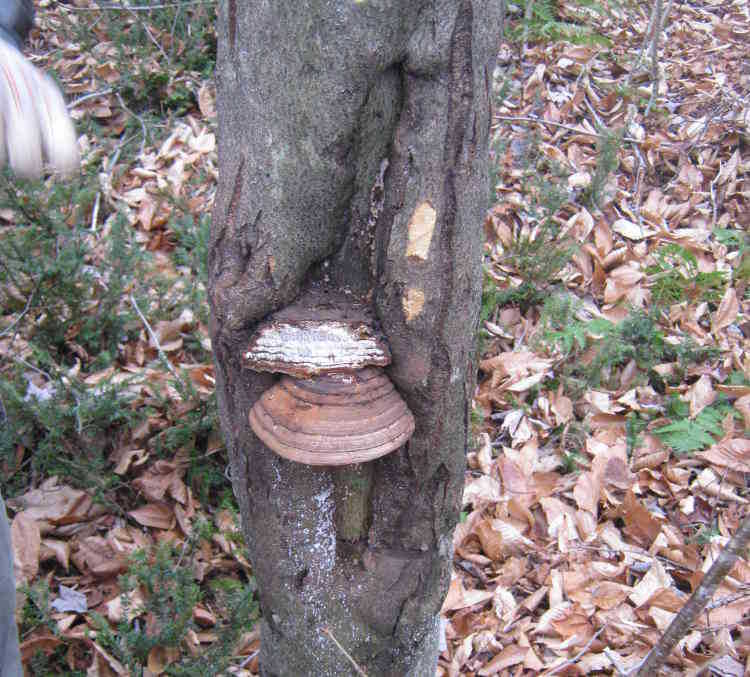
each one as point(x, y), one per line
point(336, 419)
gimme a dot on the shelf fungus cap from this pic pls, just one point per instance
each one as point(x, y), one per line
point(310, 348)
point(333, 420)
point(322, 335)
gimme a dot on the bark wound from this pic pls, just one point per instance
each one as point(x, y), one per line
point(412, 303)
point(226, 227)
point(420, 230)
point(236, 195)
point(377, 200)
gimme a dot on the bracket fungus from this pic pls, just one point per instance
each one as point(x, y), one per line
point(334, 406)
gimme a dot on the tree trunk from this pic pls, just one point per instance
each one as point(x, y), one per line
point(353, 154)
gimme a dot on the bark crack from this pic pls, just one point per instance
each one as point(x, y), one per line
point(459, 111)
point(232, 13)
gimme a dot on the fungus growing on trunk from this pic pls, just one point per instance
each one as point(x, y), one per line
point(334, 419)
point(334, 407)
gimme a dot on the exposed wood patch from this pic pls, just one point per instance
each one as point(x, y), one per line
point(420, 230)
point(412, 303)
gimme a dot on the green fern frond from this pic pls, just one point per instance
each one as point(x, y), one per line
point(686, 435)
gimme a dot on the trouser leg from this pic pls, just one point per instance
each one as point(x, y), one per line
point(10, 654)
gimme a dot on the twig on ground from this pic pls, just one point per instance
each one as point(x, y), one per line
point(710, 117)
point(666, 14)
point(173, 29)
point(656, 32)
point(106, 180)
point(137, 117)
point(526, 21)
point(41, 372)
point(25, 310)
point(583, 650)
point(248, 658)
point(523, 118)
point(86, 97)
point(714, 206)
point(147, 31)
point(615, 660)
point(638, 186)
point(726, 601)
point(155, 340)
point(640, 164)
point(95, 211)
point(599, 122)
point(686, 616)
point(660, 22)
point(644, 44)
point(356, 667)
point(141, 8)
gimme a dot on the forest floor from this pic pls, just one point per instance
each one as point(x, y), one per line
point(612, 458)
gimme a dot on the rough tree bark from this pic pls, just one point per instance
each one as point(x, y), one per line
point(353, 153)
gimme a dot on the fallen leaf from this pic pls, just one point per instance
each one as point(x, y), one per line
point(490, 540)
point(460, 598)
point(111, 662)
point(44, 643)
point(630, 230)
point(126, 458)
point(52, 502)
point(513, 654)
point(742, 404)
point(727, 311)
point(155, 482)
point(639, 522)
point(586, 492)
point(608, 594)
point(700, 395)
point(26, 540)
point(713, 485)
point(70, 600)
point(96, 555)
point(58, 549)
point(655, 580)
point(203, 617)
point(729, 169)
point(562, 407)
point(160, 657)
point(133, 601)
point(157, 515)
point(479, 490)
